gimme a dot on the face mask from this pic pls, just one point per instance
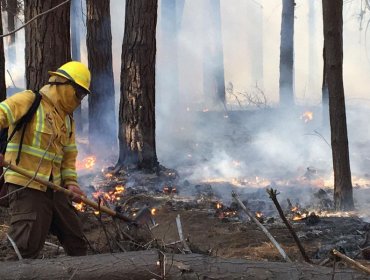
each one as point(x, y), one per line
point(63, 96)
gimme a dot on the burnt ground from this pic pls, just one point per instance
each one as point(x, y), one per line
point(210, 226)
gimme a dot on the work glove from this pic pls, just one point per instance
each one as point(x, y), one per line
point(77, 192)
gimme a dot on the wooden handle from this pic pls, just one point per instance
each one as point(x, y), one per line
point(67, 192)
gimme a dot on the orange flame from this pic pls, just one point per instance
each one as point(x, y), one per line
point(86, 163)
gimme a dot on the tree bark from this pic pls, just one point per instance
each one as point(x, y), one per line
point(333, 42)
point(146, 265)
point(76, 13)
point(137, 105)
point(48, 43)
point(213, 56)
point(101, 101)
point(286, 90)
point(2, 63)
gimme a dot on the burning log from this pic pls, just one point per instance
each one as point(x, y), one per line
point(272, 239)
point(272, 193)
point(148, 265)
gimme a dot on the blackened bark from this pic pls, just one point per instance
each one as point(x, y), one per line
point(213, 69)
point(47, 40)
point(2, 63)
point(137, 105)
point(333, 42)
point(101, 101)
point(286, 91)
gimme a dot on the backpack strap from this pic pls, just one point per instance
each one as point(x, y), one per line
point(23, 121)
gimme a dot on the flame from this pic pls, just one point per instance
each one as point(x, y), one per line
point(80, 206)
point(259, 214)
point(86, 163)
point(110, 196)
point(294, 209)
point(153, 211)
point(218, 205)
point(307, 116)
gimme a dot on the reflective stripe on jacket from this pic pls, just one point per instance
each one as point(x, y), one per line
point(48, 147)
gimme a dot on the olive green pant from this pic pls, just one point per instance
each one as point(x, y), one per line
point(34, 213)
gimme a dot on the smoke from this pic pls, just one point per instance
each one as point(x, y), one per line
point(245, 141)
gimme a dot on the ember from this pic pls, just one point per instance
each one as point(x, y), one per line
point(307, 116)
point(169, 190)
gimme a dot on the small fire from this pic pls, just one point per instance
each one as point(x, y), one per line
point(259, 214)
point(153, 211)
point(219, 205)
point(307, 116)
point(86, 163)
point(80, 206)
point(169, 190)
point(110, 196)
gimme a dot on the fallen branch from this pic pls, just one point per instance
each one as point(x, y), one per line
point(181, 235)
point(272, 239)
point(350, 261)
point(273, 195)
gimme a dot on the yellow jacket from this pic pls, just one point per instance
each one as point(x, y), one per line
point(49, 146)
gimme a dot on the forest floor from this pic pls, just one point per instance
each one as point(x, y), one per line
point(209, 226)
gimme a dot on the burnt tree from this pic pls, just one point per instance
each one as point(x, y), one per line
point(101, 101)
point(47, 40)
point(2, 63)
point(137, 146)
point(333, 46)
point(286, 91)
point(213, 56)
point(76, 13)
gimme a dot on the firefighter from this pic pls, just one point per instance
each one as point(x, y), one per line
point(48, 150)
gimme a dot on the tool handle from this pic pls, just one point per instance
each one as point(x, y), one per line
point(67, 192)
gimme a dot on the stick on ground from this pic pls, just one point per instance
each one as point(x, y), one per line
point(272, 239)
point(273, 195)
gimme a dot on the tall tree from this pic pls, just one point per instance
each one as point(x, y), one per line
point(2, 63)
point(47, 40)
point(171, 12)
point(213, 57)
point(99, 49)
point(255, 40)
point(137, 147)
point(333, 46)
point(11, 9)
point(76, 12)
point(286, 90)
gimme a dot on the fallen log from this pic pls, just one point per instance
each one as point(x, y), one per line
point(141, 265)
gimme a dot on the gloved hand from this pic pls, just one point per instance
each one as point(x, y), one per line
point(77, 192)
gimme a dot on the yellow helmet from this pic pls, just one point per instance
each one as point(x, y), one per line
point(76, 72)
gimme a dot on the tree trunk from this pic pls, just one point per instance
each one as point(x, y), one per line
point(47, 40)
point(286, 90)
point(11, 13)
point(169, 62)
point(213, 64)
point(255, 41)
point(137, 106)
point(76, 13)
point(102, 125)
point(141, 265)
point(333, 42)
point(2, 63)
